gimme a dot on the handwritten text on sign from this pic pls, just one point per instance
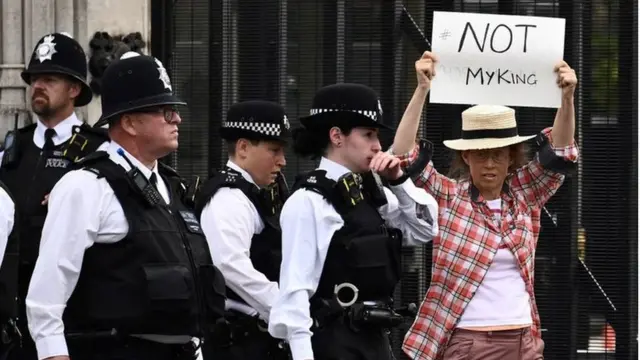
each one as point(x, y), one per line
point(496, 59)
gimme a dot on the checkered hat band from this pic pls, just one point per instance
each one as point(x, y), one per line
point(372, 114)
point(269, 129)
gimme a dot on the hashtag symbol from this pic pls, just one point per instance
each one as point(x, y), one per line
point(445, 34)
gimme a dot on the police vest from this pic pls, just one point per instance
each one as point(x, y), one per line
point(159, 279)
point(365, 252)
point(9, 281)
point(266, 248)
point(30, 175)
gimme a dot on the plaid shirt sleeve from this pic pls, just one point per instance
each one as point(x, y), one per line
point(434, 183)
point(538, 184)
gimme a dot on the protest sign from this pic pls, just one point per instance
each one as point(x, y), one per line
point(496, 59)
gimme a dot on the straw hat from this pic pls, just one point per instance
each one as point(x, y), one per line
point(487, 127)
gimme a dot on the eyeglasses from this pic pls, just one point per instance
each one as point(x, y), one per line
point(497, 155)
point(168, 113)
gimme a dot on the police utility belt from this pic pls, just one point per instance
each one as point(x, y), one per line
point(236, 328)
point(358, 314)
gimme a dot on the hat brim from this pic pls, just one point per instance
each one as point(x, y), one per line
point(487, 143)
point(86, 94)
point(337, 118)
point(159, 100)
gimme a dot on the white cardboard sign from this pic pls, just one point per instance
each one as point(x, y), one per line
point(496, 59)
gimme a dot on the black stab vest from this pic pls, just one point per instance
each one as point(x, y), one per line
point(266, 247)
point(159, 279)
point(365, 251)
point(29, 174)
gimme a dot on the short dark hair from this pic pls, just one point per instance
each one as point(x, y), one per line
point(231, 145)
point(314, 143)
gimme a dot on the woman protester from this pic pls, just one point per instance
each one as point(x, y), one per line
point(481, 303)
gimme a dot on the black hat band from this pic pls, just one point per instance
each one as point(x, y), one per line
point(268, 129)
point(490, 133)
point(372, 114)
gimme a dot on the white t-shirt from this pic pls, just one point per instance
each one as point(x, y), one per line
point(502, 297)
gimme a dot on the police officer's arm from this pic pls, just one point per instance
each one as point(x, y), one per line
point(413, 211)
point(7, 213)
point(408, 208)
point(71, 227)
point(229, 221)
point(308, 223)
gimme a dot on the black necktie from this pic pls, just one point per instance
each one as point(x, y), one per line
point(153, 179)
point(48, 139)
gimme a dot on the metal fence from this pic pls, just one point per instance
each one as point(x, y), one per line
point(221, 52)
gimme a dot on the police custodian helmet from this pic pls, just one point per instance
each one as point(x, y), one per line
point(256, 120)
point(59, 53)
point(135, 82)
point(349, 104)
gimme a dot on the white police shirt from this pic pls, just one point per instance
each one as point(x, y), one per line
point(229, 221)
point(83, 210)
point(64, 132)
point(308, 223)
point(7, 212)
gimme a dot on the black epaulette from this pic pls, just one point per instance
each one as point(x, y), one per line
point(343, 194)
point(91, 159)
point(315, 181)
point(236, 180)
point(86, 163)
point(167, 170)
point(101, 133)
point(84, 140)
point(225, 178)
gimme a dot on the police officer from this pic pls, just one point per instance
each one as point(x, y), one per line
point(239, 209)
point(7, 304)
point(128, 274)
point(36, 156)
point(7, 218)
point(342, 233)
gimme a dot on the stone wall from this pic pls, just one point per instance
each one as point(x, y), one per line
point(22, 24)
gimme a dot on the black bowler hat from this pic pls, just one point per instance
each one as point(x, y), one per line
point(59, 53)
point(256, 120)
point(348, 104)
point(135, 82)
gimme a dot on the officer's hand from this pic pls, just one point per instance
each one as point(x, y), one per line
point(58, 358)
point(386, 165)
point(426, 69)
point(46, 200)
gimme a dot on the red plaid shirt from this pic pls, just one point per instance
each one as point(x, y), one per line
point(469, 238)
